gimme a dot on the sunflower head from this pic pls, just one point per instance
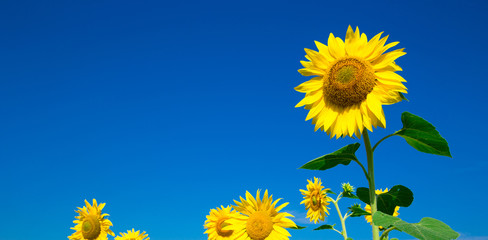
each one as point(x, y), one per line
point(347, 188)
point(367, 208)
point(353, 80)
point(132, 235)
point(260, 218)
point(91, 224)
point(315, 200)
point(217, 225)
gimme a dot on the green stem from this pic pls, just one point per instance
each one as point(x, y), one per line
point(343, 222)
point(372, 194)
point(381, 140)
point(385, 233)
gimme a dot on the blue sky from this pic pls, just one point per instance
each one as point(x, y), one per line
point(164, 110)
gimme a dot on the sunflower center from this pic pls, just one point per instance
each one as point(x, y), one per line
point(316, 201)
point(90, 227)
point(259, 225)
point(221, 224)
point(349, 81)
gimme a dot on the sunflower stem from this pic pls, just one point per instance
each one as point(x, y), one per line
point(372, 194)
point(343, 221)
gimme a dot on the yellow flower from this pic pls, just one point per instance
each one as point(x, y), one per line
point(260, 219)
point(91, 223)
point(367, 208)
point(216, 223)
point(315, 200)
point(354, 79)
point(132, 235)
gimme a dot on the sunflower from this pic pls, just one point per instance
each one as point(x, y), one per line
point(132, 235)
point(315, 200)
point(354, 79)
point(260, 219)
point(367, 208)
point(216, 224)
point(91, 223)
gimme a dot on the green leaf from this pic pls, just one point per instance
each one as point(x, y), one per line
point(349, 238)
point(357, 211)
point(326, 226)
point(363, 194)
point(397, 196)
point(426, 229)
point(297, 227)
point(341, 156)
point(386, 202)
point(422, 135)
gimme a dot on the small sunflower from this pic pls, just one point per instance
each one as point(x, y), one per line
point(216, 223)
point(367, 208)
point(354, 79)
point(91, 223)
point(132, 235)
point(315, 200)
point(260, 219)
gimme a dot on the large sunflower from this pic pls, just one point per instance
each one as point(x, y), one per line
point(367, 208)
point(216, 223)
point(132, 235)
point(260, 219)
point(354, 79)
point(315, 200)
point(91, 223)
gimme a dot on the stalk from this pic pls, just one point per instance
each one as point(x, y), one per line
point(343, 222)
point(372, 194)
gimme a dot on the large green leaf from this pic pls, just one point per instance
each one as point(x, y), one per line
point(426, 229)
point(342, 156)
point(363, 194)
point(386, 202)
point(297, 227)
point(324, 227)
point(422, 135)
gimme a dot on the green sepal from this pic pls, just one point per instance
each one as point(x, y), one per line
point(426, 229)
point(298, 227)
point(324, 227)
point(342, 156)
point(330, 192)
point(386, 202)
point(403, 97)
point(349, 195)
point(422, 135)
point(357, 211)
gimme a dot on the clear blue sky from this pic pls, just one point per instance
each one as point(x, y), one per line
point(165, 109)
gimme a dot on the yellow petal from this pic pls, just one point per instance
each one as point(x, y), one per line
point(324, 50)
point(317, 59)
point(375, 106)
point(313, 84)
point(335, 49)
point(310, 72)
point(317, 107)
point(310, 98)
point(387, 58)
